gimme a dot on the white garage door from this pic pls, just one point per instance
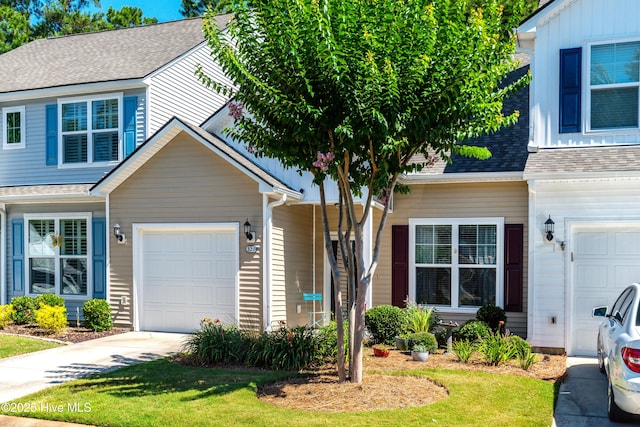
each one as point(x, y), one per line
point(605, 261)
point(187, 275)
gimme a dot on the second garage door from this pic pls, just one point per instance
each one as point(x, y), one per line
point(187, 274)
point(604, 262)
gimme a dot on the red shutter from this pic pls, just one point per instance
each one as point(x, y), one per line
point(513, 267)
point(399, 264)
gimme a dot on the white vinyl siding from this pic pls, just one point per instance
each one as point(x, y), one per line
point(577, 24)
point(176, 91)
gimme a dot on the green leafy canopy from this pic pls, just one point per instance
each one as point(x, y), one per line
point(373, 82)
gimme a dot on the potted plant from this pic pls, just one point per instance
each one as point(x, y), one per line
point(420, 353)
point(402, 342)
point(380, 350)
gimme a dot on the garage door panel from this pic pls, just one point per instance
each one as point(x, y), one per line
point(188, 275)
point(591, 243)
point(591, 276)
point(627, 243)
point(625, 275)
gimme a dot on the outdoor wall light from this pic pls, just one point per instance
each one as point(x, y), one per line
point(548, 228)
point(251, 235)
point(121, 238)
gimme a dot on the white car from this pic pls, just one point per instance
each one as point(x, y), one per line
point(619, 352)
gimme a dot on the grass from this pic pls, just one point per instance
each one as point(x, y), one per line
point(165, 393)
point(11, 345)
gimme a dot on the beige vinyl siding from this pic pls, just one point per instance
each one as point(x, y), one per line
point(477, 200)
point(176, 91)
point(292, 263)
point(186, 183)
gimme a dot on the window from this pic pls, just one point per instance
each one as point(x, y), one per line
point(58, 254)
point(614, 83)
point(456, 263)
point(90, 130)
point(13, 125)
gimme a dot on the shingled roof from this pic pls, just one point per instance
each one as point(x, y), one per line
point(106, 56)
point(585, 160)
point(508, 146)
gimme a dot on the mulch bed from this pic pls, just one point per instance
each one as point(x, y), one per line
point(321, 391)
point(68, 335)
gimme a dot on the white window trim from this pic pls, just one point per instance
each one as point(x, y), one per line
point(587, 87)
point(89, 99)
point(57, 217)
point(5, 143)
point(499, 265)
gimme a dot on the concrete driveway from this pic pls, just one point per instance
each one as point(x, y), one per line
point(583, 396)
point(28, 373)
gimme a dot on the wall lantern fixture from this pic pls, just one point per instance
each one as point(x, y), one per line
point(251, 235)
point(548, 228)
point(121, 238)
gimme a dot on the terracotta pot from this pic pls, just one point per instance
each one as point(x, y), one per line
point(380, 352)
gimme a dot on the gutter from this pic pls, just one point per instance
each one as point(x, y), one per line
point(267, 265)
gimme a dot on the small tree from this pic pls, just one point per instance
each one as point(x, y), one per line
point(351, 91)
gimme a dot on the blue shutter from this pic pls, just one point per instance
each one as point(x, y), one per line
point(129, 137)
point(52, 134)
point(570, 89)
point(99, 231)
point(17, 255)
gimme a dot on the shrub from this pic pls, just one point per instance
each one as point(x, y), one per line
point(426, 339)
point(520, 345)
point(285, 349)
point(327, 338)
point(418, 319)
point(385, 322)
point(492, 315)
point(472, 330)
point(527, 359)
point(463, 350)
point(6, 314)
point(51, 319)
point(24, 309)
point(52, 300)
point(215, 343)
point(497, 349)
point(441, 336)
point(97, 315)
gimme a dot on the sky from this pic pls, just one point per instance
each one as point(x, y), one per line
point(164, 10)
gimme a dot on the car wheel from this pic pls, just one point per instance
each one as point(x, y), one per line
point(601, 359)
point(615, 413)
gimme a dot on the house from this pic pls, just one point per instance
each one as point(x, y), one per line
point(146, 203)
point(583, 170)
point(73, 108)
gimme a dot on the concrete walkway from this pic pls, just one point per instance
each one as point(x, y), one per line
point(28, 373)
point(583, 396)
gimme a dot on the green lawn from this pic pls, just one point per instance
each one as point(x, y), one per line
point(11, 345)
point(162, 393)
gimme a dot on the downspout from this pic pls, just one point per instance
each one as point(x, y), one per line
point(268, 253)
point(3, 254)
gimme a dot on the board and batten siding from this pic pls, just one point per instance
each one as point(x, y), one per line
point(603, 201)
point(96, 209)
point(176, 91)
point(477, 200)
point(27, 166)
point(292, 263)
point(186, 182)
point(576, 25)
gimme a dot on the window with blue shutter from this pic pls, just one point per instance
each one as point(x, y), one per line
point(570, 90)
point(99, 228)
point(129, 137)
point(51, 134)
point(17, 255)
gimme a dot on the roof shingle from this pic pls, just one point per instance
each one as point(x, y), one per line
point(128, 53)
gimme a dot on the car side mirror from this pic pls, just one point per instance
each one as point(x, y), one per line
point(600, 311)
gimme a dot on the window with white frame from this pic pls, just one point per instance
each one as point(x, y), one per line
point(456, 263)
point(614, 83)
point(58, 254)
point(90, 130)
point(13, 125)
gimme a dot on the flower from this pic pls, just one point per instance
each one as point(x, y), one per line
point(323, 161)
point(235, 109)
